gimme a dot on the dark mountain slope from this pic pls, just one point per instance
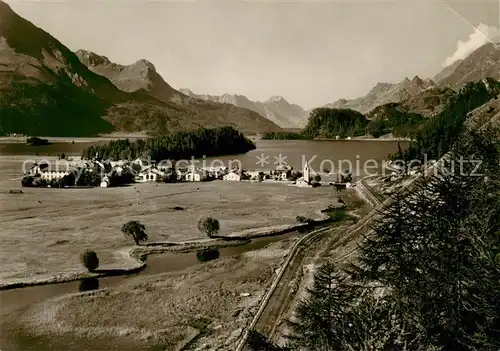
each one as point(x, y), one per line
point(46, 90)
point(142, 76)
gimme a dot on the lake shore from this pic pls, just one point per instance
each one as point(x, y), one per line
point(367, 138)
point(101, 138)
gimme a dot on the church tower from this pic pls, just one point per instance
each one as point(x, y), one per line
point(306, 171)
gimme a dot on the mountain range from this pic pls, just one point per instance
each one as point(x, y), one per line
point(423, 96)
point(276, 108)
point(429, 95)
point(483, 62)
point(46, 89)
point(383, 93)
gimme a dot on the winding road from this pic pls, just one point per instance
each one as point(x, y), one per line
point(281, 292)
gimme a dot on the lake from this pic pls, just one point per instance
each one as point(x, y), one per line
point(359, 156)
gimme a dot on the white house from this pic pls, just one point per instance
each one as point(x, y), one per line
point(215, 172)
point(234, 176)
point(44, 172)
point(302, 183)
point(196, 175)
point(50, 175)
point(149, 174)
point(282, 173)
point(105, 182)
point(253, 175)
point(181, 174)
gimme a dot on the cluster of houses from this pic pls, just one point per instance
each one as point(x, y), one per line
point(153, 173)
point(141, 171)
point(54, 172)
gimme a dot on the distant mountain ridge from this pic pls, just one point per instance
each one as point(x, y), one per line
point(446, 71)
point(277, 109)
point(484, 62)
point(46, 90)
point(139, 75)
point(383, 93)
point(142, 76)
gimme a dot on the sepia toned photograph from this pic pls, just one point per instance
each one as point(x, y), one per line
point(249, 175)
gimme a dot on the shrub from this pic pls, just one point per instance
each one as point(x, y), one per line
point(90, 260)
point(207, 254)
point(136, 167)
point(88, 178)
point(337, 214)
point(136, 230)
point(209, 226)
point(36, 141)
point(27, 181)
point(308, 221)
point(301, 219)
point(170, 176)
point(294, 175)
point(257, 342)
point(39, 182)
point(67, 180)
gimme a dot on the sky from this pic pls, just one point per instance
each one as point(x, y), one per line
point(311, 53)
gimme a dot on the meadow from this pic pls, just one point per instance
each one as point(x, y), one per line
point(44, 230)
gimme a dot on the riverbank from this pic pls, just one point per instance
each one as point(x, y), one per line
point(207, 304)
point(134, 259)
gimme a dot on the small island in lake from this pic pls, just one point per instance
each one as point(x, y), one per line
point(36, 141)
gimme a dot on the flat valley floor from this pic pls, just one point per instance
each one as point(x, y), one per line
point(206, 305)
point(45, 230)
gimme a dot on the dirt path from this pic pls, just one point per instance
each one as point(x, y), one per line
point(342, 245)
point(271, 318)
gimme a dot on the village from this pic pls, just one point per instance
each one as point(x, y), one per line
point(106, 174)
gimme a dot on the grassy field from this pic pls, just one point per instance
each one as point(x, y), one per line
point(44, 231)
point(211, 302)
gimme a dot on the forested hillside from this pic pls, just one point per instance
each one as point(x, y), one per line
point(330, 122)
point(436, 136)
point(394, 118)
point(179, 145)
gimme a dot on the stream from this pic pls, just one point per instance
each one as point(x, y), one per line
point(13, 301)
